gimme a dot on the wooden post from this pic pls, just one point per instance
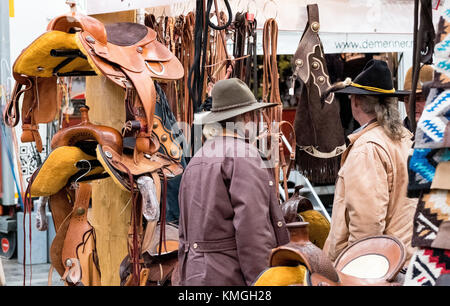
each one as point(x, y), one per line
point(111, 207)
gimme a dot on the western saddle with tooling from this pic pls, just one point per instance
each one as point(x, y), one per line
point(140, 158)
point(370, 261)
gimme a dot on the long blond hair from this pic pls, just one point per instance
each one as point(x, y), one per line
point(386, 111)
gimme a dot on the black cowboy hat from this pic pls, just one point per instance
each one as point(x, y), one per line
point(375, 79)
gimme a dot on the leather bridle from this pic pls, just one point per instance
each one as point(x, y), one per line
point(271, 93)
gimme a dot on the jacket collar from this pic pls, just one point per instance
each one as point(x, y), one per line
point(226, 133)
point(353, 137)
point(370, 125)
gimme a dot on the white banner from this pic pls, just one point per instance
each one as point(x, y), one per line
point(346, 42)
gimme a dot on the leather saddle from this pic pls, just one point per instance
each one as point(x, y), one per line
point(128, 54)
point(64, 177)
point(371, 261)
point(140, 158)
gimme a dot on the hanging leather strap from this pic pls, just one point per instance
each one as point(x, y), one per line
point(196, 76)
point(33, 111)
point(271, 92)
point(239, 44)
point(188, 43)
point(11, 114)
point(75, 236)
point(150, 21)
point(179, 53)
point(170, 27)
point(251, 63)
point(271, 87)
point(159, 28)
point(287, 166)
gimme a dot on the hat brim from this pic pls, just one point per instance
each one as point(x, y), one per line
point(211, 117)
point(352, 90)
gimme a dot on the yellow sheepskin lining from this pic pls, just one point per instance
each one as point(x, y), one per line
point(83, 50)
point(36, 60)
point(282, 276)
point(57, 169)
point(318, 227)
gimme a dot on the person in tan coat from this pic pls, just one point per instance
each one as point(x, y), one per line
point(370, 196)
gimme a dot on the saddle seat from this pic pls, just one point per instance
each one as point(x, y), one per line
point(371, 261)
point(129, 45)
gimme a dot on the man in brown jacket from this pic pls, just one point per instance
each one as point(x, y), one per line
point(370, 196)
point(230, 217)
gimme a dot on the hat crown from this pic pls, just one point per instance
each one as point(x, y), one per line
point(231, 93)
point(376, 74)
point(425, 76)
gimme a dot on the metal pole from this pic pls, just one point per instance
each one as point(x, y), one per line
point(6, 84)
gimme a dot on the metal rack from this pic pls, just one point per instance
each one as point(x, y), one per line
point(308, 191)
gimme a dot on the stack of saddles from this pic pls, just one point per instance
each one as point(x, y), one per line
point(141, 158)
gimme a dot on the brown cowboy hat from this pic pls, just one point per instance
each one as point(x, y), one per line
point(230, 98)
point(425, 75)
